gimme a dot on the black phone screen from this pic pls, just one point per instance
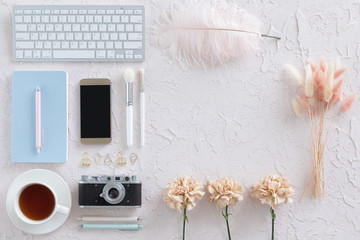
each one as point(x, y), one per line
point(95, 111)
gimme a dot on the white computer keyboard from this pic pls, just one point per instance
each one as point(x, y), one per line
point(79, 33)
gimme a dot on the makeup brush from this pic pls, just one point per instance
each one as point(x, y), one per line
point(142, 105)
point(129, 77)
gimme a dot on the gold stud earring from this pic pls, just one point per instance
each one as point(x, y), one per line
point(133, 158)
point(121, 160)
point(85, 161)
point(97, 158)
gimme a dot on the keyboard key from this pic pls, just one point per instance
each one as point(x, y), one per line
point(40, 27)
point(27, 19)
point(69, 36)
point(71, 19)
point(96, 36)
point(111, 54)
point(56, 45)
point(101, 11)
point(54, 19)
point(136, 19)
point(64, 11)
point(78, 36)
point(98, 19)
point(135, 36)
point(46, 54)
point(113, 36)
point(107, 19)
point(76, 27)
point(36, 19)
point(120, 27)
point(133, 45)
point(80, 18)
point(122, 36)
point(102, 27)
point(73, 11)
point(22, 36)
point(18, 11)
point(20, 27)
point(138, 56)
point(118, 45)
point(91, 45)
point(58, 27)
point(43, 36)
point(20, 45)
point(92, 11)
point(105, 36)
point(19, 54)
point(124, 19)
point(129, 56)
point(120, 11)
point(65, 45)
point(120, 56)
point(62, 19)
point(45, 19)
point(47, 45)
point(67, 27)
point(60, 36)
point(129, 11)
point(27, 11)
point(100, 54)
point(115, 19)
point(89, 19)
point(109, 45)
point(38, 45)
point(87, 36)
point(32, 27)
point(100, 45)
point(37, 54)
point(36, 11)
point(111, 27)
point(76, 54)
point(82, 11)
point(129, 27)
point(55, 11)
point(129, 52)
point(52, 36)
point(110, 11)
point(82, 45)
point(49, 27)
point(18, 19)
point(93, 27)
point(137, 12)
point(45, 11)
point(74, 45)
point(34, 36)
point(85, 27)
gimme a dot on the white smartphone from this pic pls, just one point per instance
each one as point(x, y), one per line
point(95, 111)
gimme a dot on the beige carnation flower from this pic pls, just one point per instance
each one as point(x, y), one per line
point(182, 192)
point(273, 190)
point(224, 191)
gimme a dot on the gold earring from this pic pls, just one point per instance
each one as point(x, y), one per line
point(133, 158)
point(121, 160)
point(85, 161)
point(107, 160)
point(97, 158)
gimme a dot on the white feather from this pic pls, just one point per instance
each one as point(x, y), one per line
point(291, 72)
point(309, 83)
point(205, 33)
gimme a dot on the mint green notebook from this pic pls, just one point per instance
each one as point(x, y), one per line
point(54, 120)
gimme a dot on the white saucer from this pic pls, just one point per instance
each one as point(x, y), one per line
point(56, 183)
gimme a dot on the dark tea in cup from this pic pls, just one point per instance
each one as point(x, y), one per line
point(37, 202)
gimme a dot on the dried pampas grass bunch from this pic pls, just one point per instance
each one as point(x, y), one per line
point(318, 92)
point(206, 33)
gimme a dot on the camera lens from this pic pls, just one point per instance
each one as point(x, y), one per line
point(113, 193)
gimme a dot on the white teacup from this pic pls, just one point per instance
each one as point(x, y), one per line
point(37, 203)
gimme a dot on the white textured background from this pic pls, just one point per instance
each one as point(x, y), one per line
point(231, 121)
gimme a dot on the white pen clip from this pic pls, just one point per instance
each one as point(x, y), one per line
point(38, 119)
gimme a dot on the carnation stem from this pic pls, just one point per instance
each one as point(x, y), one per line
point(184, 220)
point(273, 216)
point(226, 216)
